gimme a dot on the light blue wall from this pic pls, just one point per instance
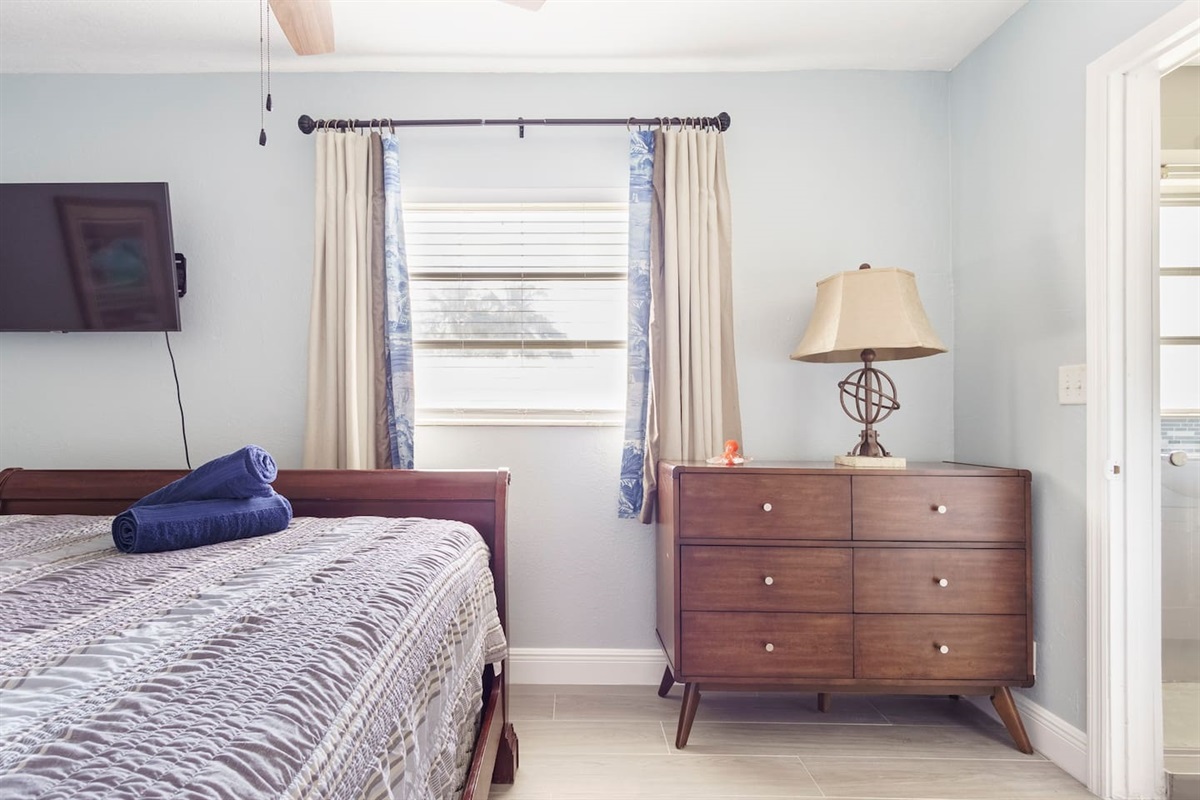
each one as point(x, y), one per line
point(1017, 145)
point(827, 170)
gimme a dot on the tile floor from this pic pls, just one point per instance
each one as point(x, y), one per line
point(616, 742)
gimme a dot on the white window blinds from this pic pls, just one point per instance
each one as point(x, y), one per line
point(1179, 309)
point(518, 310)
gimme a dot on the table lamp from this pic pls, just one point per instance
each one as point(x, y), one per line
point(868, 315)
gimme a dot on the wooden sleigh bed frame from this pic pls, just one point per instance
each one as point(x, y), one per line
point(478, 498)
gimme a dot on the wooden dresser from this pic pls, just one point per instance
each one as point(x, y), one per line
point(810, 576)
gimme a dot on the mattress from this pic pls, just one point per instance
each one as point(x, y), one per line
point(340, 658)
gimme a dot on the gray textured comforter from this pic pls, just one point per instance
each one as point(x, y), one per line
point(336, 659)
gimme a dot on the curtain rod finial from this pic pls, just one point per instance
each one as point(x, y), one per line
point(724, 120)
point(306, 123)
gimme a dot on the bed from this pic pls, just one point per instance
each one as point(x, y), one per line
point(289, 700)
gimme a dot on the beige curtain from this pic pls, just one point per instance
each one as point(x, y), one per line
point(379, 365)
point(345, 321)
point(693, 406)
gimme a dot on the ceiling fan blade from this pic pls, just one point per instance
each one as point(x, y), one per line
point(528, 5)
point(307, 24)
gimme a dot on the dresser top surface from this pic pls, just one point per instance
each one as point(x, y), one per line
point(928, 469)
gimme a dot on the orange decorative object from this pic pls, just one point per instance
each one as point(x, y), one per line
point(731, 452)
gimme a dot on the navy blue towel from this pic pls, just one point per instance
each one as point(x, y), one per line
point(175, 526)
point(245, 473)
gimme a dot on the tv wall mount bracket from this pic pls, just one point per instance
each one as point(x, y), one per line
point(181, 273)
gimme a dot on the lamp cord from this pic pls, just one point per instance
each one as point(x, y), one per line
point(179, 399)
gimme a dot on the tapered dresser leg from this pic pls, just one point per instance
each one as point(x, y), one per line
point(691, 701)
point(1002, 699)
point(824, 702)
point(668, 680)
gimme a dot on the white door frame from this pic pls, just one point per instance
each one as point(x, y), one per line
point(1124, 537)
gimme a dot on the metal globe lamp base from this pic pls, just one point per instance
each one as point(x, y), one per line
point(868, 397)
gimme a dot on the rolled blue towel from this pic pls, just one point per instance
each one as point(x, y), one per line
point(245, 473)
point(175, 526)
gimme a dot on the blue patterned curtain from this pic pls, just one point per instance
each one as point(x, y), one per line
point(397, 313)
point(641, 200)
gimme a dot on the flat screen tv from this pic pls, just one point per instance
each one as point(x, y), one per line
point(87, 257)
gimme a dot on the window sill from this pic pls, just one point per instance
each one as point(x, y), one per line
point(545, 418)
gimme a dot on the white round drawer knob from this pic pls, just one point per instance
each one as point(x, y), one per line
point(942, 648)
point(940, 509)
point(766, 506)
point(768, 580)
point(770, 647)
point(942, 582)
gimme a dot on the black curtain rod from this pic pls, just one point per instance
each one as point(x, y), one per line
point(307, 124)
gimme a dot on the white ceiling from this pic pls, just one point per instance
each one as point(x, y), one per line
point(171, 36)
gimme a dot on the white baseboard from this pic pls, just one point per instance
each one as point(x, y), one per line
point(598, 666)
point(1050, 735)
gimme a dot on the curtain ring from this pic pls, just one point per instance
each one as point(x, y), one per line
point(629, 122)
point(391, 127)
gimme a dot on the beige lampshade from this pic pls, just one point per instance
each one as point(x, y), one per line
point(866, 308)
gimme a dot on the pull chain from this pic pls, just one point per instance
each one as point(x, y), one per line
point(262, 120)
point(268, 6)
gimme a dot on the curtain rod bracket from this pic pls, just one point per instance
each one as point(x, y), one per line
point(521, 128)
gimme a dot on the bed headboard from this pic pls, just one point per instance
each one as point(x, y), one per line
point(477, 497)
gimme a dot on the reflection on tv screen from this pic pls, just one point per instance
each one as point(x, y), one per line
point(86, 257)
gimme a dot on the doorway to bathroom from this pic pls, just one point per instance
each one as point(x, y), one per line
point(1179, 424)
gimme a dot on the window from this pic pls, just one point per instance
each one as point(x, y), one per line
point(519, 311)
point(1179, 309)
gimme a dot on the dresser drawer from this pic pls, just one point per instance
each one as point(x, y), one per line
point(714, 578)
point(906, 646)
point(910, 581)
point(904, 508)
point(762, 645)
point(728, 505)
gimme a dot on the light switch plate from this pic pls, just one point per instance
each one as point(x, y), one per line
point(1072, 385)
